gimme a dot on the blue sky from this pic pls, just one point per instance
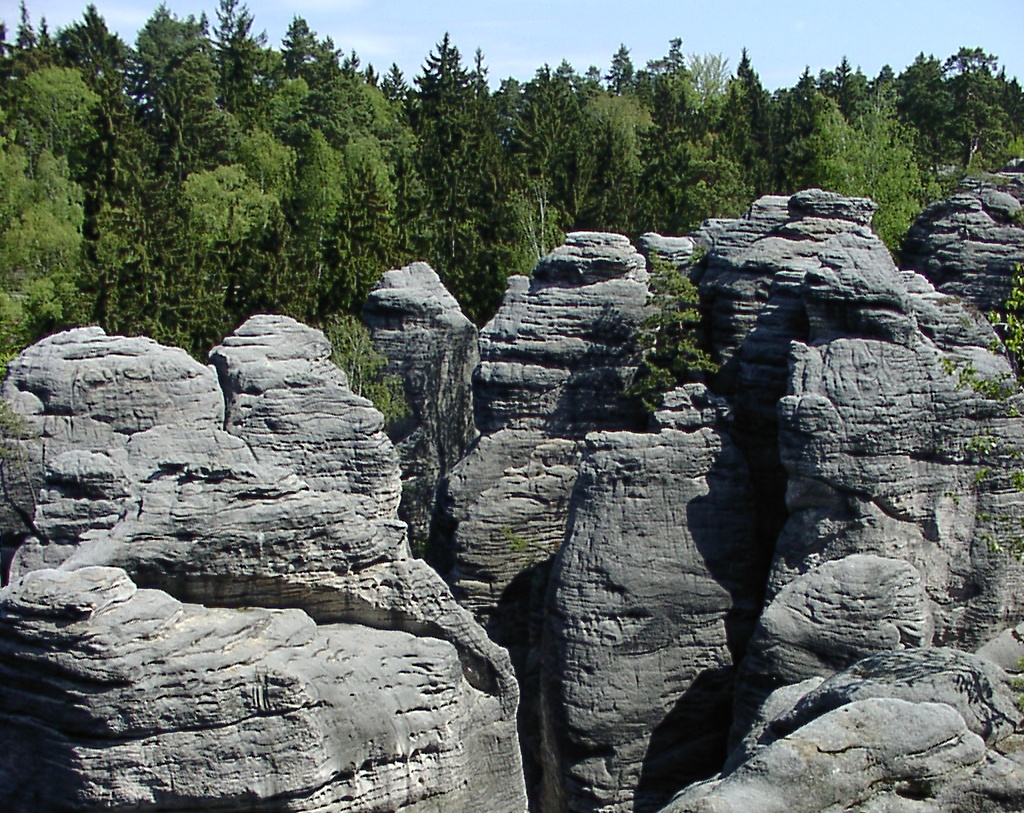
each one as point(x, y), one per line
point(518, 36)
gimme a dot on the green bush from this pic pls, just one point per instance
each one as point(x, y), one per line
point(672, 351)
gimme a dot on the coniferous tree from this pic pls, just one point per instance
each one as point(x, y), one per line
point(746, 124)
point(242, 64)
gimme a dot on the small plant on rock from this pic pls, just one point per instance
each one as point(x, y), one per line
point(669, 337)
point(365, 367)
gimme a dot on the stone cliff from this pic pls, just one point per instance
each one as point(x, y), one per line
point(851, 479)
point(234, 621)
point(971, 243)
point(781, 591)
point(433, 348)
point(554, 362)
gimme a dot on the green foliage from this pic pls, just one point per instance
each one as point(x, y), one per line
point(355, 354)
point(516, 542)
point(1010, 321)
point(672, 353)
point(176, 185)
point(1005, 534)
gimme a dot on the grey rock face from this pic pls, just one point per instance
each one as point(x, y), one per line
point(971, 243)
point(829, 618)
point(750, 284)
point(651, 598)
point(889, 453)
point(559, 351)
point(910, 730)
point(881, 474)
point(432, 347)
point(148, 701)
point(241, 520)
point(554, 362)
point(506, 503)
point(869, 755)
point(293, 407)
point(675, 250)
point(84, 395)
point(978, 690)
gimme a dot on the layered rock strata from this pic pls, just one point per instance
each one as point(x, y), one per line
point(652, 598)
point(270, 486)
point(119, 697)
point(554, 362)
point(432, 347)
point(971, 243)
point(875, 401)
point(918, 730)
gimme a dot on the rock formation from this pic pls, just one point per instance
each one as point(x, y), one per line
point(555, 360)
point(971, 243)
point(432, 347)
point(207, 563)
point(116, 696)
point(849, 386)
point(652, 598)
point(261, 497)
point(913, 730)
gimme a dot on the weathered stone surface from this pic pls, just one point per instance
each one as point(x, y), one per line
point(827, 619)
point(555, 360)
point(112, 385)
point(875, 754)
point(505, 508)
point(889, 453)
point(206, 511)
point(977, 691)
point(83, 395)
point(246, 519)
point(971, 243)
point(853, 402)
point(560, 350)
point(432, 347)
point(652, 595)
point(750, 284)
point(115, 697)
point(287, 400)
point(678, 251)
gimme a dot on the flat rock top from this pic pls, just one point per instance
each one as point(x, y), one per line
point(275, 338)
point(128, 383)
point(588, 257)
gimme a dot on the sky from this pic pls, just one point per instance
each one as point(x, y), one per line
point(519, 36)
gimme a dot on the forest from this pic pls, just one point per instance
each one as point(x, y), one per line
point(175, 186)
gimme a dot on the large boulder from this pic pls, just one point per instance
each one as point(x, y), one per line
point(913, 730)
point(827, 619)
point(432, 347)
point(971, 243)
point(238, 509)
point(116, 697)
point(652, 598)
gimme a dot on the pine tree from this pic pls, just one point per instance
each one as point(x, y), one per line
point(242, 63)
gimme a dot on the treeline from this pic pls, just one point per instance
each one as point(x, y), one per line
point(175, 187)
